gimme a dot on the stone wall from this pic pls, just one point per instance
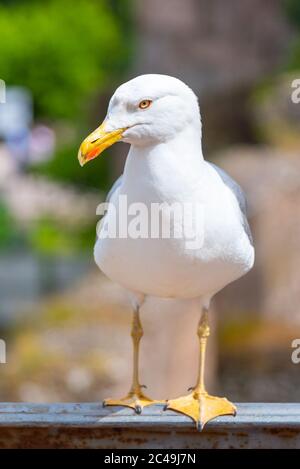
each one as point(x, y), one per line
point(211, 45)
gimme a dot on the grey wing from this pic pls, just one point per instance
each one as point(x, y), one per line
point(114, 187)
point(240, 196)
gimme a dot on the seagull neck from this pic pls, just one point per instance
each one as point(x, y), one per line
point(183, 151)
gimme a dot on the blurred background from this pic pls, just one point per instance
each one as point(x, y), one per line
point(67, 326)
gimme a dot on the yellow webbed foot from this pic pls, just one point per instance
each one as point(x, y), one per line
point(135, 400)
point(201, 407)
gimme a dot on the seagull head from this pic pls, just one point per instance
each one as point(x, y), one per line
point(147, 110)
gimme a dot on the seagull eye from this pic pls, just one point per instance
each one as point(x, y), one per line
point(145, 103)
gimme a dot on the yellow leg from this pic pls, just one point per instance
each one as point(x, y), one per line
point(199, 405)
point(135, 399)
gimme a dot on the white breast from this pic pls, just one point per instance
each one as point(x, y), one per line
point(166, 267)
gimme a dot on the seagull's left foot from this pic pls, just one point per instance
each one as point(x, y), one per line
point(135, 400)
point(201, 407)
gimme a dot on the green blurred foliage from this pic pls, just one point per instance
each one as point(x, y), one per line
point(64, 167)
point(7, 227)
point(63, 51)
point(49, 237)
point(12, 236)
point(67, 53)
point(292, 8)
point(45, 236)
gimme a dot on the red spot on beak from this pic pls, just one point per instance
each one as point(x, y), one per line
point(92, 153)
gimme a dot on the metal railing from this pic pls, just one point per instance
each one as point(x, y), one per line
point(256, 425)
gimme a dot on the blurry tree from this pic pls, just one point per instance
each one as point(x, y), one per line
point(66, 53)
point(275, 117)
point(6, 226)
point(293, 11)
point(63, 51)
point(64, 167)
point(10, 234)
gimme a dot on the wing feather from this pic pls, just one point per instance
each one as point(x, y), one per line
point(240, 196)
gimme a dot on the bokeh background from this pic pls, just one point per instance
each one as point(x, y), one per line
point(67, 326)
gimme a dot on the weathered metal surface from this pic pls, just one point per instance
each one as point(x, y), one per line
point(92, 426)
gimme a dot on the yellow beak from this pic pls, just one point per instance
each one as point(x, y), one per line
point(97, 142)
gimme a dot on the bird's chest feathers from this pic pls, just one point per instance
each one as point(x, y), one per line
point(179, 185)
point(163, 178)
point(155, 264)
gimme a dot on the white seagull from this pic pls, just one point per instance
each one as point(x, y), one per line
point(159, 117)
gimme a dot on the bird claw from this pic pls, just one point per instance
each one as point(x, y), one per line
point(138, 409)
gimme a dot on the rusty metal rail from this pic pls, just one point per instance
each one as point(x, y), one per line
point(91, 426)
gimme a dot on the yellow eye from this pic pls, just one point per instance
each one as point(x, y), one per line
point(145, 103)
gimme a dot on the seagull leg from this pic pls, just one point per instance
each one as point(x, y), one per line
point(135, 399)
point(199, 405)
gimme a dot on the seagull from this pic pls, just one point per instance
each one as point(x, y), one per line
point(159, 116)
